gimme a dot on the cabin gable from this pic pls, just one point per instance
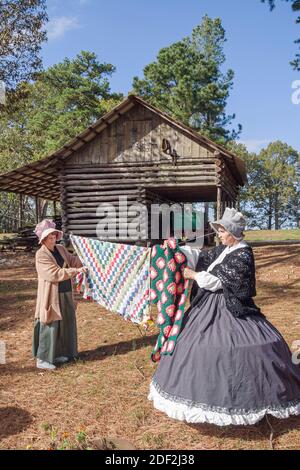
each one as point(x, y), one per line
point(138, 136)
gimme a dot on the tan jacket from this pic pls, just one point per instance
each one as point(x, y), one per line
point(49, 275)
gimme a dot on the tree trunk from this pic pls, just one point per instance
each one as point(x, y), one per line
point(270, 213)
point(37, 210)
point(206, 215)
point(276, 209)
point(44, 207)
point(219, 202)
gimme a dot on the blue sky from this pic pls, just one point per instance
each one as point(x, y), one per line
point(130, 33)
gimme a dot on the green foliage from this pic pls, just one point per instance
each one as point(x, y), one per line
point(9, 206)
point(21, 35)
point(61, 103)
point(65, 440)
point(271, 197)
point(81, 438)
point(71, 96)
point(187, 81)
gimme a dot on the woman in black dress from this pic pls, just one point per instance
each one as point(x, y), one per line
point(230, 364)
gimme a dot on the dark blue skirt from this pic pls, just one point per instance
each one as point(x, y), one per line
point(226, 370)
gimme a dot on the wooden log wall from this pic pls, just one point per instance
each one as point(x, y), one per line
point(83, 189)
point(80, 214)
point(226, 181)
point(146, 174)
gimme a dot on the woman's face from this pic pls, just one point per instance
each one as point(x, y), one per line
point(226, 237)
point(50, 241)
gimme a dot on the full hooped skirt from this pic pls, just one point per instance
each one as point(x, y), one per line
point(226, 370)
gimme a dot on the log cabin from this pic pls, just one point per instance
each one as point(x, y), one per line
point(135, 152)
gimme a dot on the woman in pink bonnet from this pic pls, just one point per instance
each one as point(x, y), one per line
point(55, 332)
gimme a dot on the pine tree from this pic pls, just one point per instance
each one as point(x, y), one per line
point(21, 35)
point(187, 81)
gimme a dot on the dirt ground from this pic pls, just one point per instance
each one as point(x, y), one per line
point(104, 394)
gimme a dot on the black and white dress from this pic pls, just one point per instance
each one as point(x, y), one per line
point(230, 364)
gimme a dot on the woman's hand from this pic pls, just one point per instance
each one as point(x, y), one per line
point(82, 270)
point(189, 273)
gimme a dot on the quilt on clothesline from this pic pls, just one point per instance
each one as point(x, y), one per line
point(169, 290)
point(118, 276)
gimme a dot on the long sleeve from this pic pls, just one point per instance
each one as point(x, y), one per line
point(200, 259)
point(237, 274)
point(208, 281)
point(73, 260)
point(203, 279)
point(192, 255)
point(49, 271)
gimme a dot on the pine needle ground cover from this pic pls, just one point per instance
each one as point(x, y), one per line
point(104, 394)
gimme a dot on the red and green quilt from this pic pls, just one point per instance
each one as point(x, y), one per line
point(169, 290)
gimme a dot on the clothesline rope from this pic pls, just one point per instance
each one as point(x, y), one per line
point(197, 238)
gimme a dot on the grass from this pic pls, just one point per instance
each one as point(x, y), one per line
point(103, 396)
point(274, 235)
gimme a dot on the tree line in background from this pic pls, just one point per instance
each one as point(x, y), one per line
point(44, 109)
point(270, 199)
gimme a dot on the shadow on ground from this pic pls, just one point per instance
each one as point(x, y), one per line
point(13, 421)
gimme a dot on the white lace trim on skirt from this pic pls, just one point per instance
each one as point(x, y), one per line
point(196, 414)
